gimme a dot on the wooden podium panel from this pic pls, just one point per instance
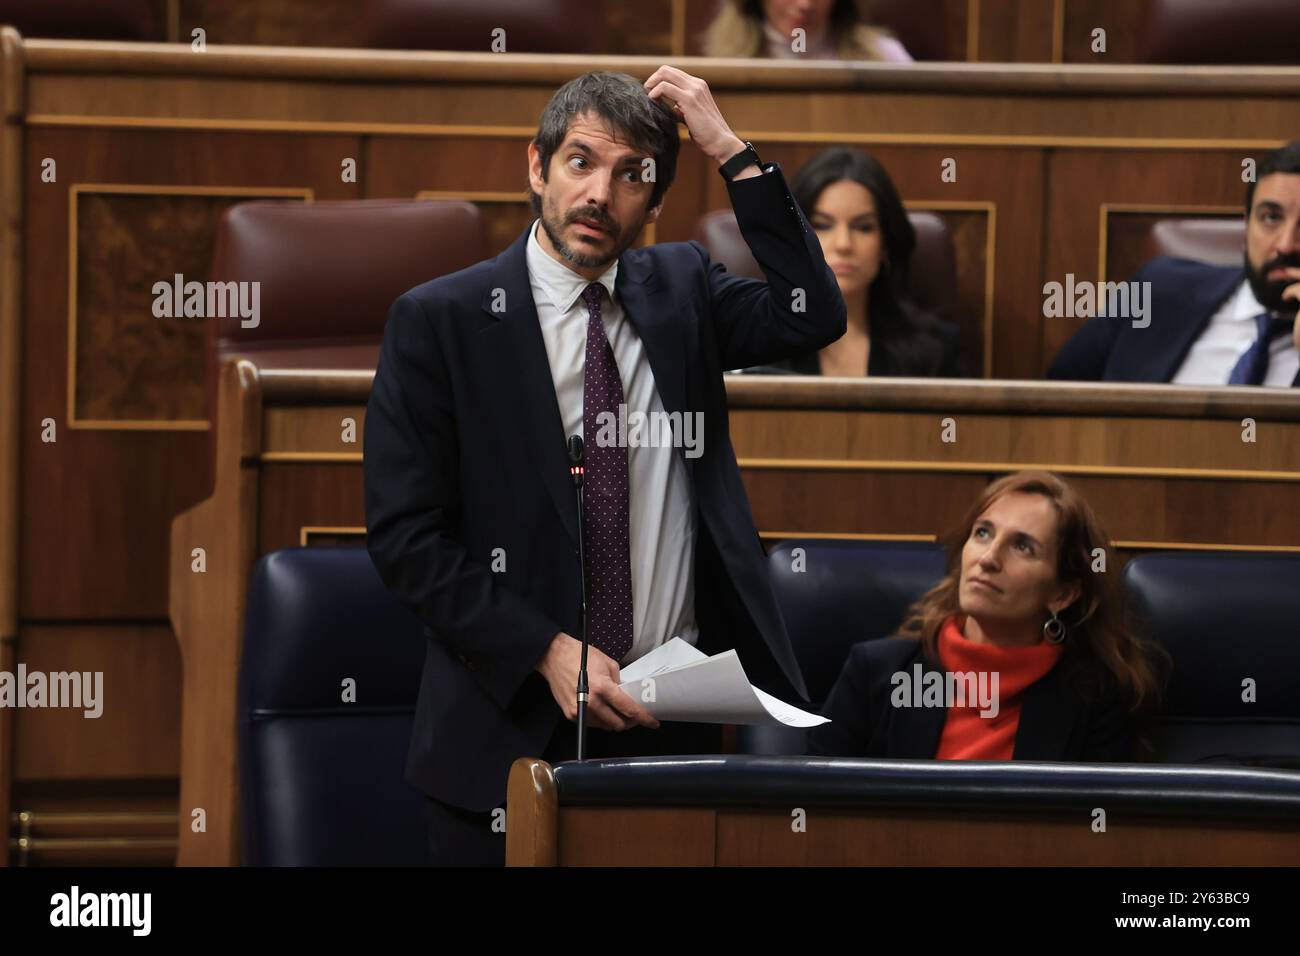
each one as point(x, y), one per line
point(542, 831)
point(819, 457)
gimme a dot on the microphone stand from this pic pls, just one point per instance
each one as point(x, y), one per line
point(576, 472)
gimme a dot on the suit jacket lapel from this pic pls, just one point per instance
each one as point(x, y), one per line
point(916, 731)
point(1049, 709)
point(662, 332)
point(527, 389)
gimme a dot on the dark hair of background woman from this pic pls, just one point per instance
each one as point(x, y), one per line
point(907, 337)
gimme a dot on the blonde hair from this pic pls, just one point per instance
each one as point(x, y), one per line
point(737, 32)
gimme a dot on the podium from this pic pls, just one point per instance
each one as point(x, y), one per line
point(732, 810)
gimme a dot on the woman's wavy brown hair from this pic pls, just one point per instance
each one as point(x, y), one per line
point(737, 30)
point(1100, 639)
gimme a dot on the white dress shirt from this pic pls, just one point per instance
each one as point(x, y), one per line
point(661, 507)
point(1226, 337)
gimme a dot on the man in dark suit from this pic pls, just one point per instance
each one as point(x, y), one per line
point(1212, 325)
point(484, 374)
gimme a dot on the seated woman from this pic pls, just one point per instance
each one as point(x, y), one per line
point(1022, 652)
point(868, 241)
point(833, 30)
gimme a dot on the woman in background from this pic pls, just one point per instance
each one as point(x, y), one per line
point(1021, 601)
point(867, 240)
point(834, 30)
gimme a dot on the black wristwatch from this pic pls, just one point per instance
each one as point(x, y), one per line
point(741, 160)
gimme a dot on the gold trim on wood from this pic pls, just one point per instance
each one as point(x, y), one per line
point(990, 257)
point(306, 531)
point(1003, 467)
point(972, 31)
point(1118, 544)
point(1027, 141)
point(1201, 546)
point(679, 28)
point(75, 191)
point(1106, 208)
point(842, 536)
point(91, 817)
point(282, 126)
point(1058, 31)
point(319, 457)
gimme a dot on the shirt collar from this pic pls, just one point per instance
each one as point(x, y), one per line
point(560, 284)
point(1243, 305)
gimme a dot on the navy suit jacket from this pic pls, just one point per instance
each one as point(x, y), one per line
point(1184, 297)
point(465, 454)
point(1058, 720)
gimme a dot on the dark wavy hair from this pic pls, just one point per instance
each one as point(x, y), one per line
point(904, 334)
point(622, 102)
point(1101, 645)
point(1284, 159)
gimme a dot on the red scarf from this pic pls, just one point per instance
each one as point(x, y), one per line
point(967, 735)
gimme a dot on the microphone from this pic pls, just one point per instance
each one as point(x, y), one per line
point(576, 473)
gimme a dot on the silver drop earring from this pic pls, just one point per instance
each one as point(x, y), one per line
point(1054, 630)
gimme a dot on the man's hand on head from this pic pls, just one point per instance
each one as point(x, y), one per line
point(691, 101)
point(609, 707)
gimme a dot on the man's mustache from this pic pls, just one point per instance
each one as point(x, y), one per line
point(598, 220)
point(1282, 262)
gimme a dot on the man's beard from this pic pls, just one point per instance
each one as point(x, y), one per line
point(554, 224)
point(1269, 293)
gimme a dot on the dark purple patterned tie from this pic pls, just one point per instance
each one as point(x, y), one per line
point(605, 495)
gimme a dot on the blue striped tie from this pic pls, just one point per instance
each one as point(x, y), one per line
point(1253, 364)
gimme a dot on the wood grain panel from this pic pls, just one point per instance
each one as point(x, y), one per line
point(607, 836)
point(94, 822)
point(795, 502)
point(1122, 21)
point(296, 495)
point(96, 505)
point(1057, 441)
point(909, 838)
point(1013, 31)
point(1079, 183)
point(128, 364)
point(315, 430)
point(273, 22)
point(138, 732)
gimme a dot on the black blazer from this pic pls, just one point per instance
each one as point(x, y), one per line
point(1057, 720)
point(465, 454)
point(1185, 294)
point(943, 361)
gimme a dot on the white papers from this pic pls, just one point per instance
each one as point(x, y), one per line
point(686, 684)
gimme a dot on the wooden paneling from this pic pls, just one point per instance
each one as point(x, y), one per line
point(903, 838)
point(1127, 235)
point(272, 22)
point(1013, 31)
point(1083, 182)
point(138, 731)
point(1042, 151)
point(108, 822)
point(298, 495)
point(12, 87)
point(96, 504)
point(1121, 19)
